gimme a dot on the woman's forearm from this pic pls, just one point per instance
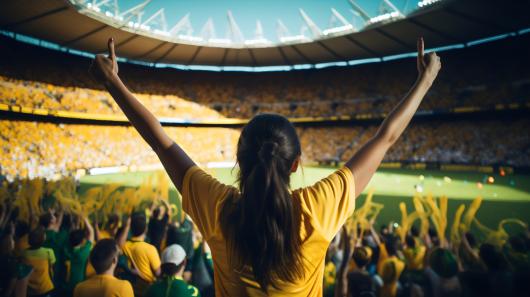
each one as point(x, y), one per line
point(141, 118)
point(399, 118)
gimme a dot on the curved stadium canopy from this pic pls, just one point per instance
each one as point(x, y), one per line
point(444, 23)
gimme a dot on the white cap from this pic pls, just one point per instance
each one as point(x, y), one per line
point(173, 254)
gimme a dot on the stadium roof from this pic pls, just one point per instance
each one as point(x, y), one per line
point(442, 23)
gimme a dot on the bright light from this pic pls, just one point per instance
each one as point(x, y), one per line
point(160, 32)
point(190, 38)
point(424, 3)
point(257, 41)
point(338, 29)
point(219, 41)
point(384, 17)
point(293, 38)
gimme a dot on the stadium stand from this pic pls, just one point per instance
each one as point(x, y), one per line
point(33, 149)
point(486, 81)
point(56, 81)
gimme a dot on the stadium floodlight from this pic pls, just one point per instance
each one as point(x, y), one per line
point(110, 6)
point(337, 30)
point(161, 16)
point(135, 11)
point(336, 15)
point(344, 27)
point(315, 30)
point(183, 25)
point(281, 29)
point(385, 17)
point(208, 30)
point(259, 31)
point(234, 32)
point(259, 37)
point(360, 11)
point(424, 3)
point(393, 7)
point(190, 38)
point(294, 38)
point(284, 36)
point(220, 41)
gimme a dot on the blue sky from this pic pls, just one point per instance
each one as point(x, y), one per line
point(246, 12)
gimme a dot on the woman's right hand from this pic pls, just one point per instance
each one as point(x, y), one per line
point(427, 68)
point(104, 68)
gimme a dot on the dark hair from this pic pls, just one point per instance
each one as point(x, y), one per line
point(392, 245)
point(261, 227)
point(410, 241)
point(414, 231)
point(45, 220)
point(518, 244)
point(434, 236)
point(113, 221)
point(471, 239)
point(138, 224)
point(444, 263)
point(6, 247)
point(361, 257)
point(21, 229)
point(103, 254)
point(76, 237)
point(37, 237)
point(170, 269)
point(383, 229)
point(492, 257)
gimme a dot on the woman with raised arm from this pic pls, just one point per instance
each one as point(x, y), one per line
point(266, 239)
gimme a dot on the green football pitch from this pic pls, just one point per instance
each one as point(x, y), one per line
point(507, 197)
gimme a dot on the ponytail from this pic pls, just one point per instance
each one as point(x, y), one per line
point(261, 225)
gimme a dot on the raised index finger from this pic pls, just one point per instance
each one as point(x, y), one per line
point(112, 54)
point(421, 48)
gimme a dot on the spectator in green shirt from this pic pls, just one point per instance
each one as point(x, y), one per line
point(56, 239)
point(172, 284)
point(77, 254)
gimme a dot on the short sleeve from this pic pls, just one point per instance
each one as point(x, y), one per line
point(330, 201)
point(126, 290)
point(201, 194)
point(154, 259)
point(51, 256)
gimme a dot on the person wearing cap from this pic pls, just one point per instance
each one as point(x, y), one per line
point(104, 259)
point(172, 284)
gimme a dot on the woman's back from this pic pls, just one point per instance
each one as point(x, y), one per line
point(322, 208)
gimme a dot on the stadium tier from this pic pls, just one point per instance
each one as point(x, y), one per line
point(33, 149)
point(495, 73)
point(37, 78)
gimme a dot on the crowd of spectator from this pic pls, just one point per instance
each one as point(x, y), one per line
point(55, 251)
point(479, 76)
point(34, 149)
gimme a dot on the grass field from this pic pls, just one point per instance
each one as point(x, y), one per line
point(507, 197)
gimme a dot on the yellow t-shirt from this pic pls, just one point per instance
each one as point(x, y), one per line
point(144, 256)
point(323, 209)
point(103, 285)
point(414, 257)
point(104, 234)
point(40, 280)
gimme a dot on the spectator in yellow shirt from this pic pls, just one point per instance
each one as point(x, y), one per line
point(265, 238)
point(42, 260)
point(414, 253)
point(142, 256)
point(104, 259)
